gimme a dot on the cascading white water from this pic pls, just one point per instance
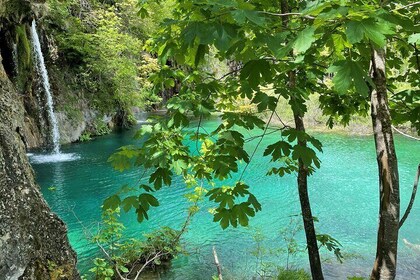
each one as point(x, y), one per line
point(56, 156)
point(42, 70)
point(15, 58)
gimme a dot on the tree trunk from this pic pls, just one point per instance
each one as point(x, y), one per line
point(302, 180)
point(385, 264)
point(33, 240)
point(308, 221)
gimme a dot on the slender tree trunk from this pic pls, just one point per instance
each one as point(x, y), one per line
point(302, 180)
point(385, 264)
point(308, 221)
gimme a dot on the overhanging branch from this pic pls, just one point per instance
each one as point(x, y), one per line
point(413, 196)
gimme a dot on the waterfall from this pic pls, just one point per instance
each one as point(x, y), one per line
point(15, 58)
point(141, 117)
point(42, 70)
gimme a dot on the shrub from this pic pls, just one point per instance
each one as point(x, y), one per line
point(293, 274)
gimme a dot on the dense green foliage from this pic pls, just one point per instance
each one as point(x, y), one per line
point(325, 37)
point(104, 44)
point(320, 48)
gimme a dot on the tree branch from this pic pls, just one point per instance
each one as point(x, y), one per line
point(259, 142)
point(413, 196)
point(216, 261)
point(287, 14)
point(405, 134)
point(408, 6)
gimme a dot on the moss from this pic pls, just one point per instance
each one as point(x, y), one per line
point(71, 108)
point(24, 55)
point(14, 10)
point(59, 271)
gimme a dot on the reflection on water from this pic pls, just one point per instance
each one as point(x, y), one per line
point(344, 196)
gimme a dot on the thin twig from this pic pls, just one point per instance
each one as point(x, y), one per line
point(247, 140)
point(158, 254)
point(285, 125)
point(259, 142)
point(405, 134)
point(287, 14)
point(198, 132)
point(408, 6)
point(229, 73)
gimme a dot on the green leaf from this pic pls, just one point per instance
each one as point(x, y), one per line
point(224, 36)
point(253, 16)
point(179, 166)
point(112, 202)
point(148, 199)
point(223, 217)
point(278, 45)
point(146, 188)
point(264, 101)
point(278, 150)
point(339, 43)
point(121, 160)
point(143, 13)
point(256, 71)
point(370, 29)
point(306, 154)
point(201, 52)
point(160, 176)
point(141, 214)
point(304, 39)
point(254, 202)
point(130, 202)
point(349, 74)
point(414, 38)
point(123, 269)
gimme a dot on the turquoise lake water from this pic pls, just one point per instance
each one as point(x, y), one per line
point(344, 197)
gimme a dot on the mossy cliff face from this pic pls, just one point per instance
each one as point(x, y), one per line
point(14, 11)
point(17, 61)
point(33, 240)
point(72, 110)
point(31, 236)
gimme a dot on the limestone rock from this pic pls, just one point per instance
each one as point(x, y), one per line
point(33, 240)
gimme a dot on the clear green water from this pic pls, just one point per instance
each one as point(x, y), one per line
point(344, 196)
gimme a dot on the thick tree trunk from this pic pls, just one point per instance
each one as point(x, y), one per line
point(33, 240)
point(389, 197)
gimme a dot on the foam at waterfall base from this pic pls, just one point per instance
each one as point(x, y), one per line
point(55, 157)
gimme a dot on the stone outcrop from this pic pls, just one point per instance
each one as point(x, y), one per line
point(33, 240)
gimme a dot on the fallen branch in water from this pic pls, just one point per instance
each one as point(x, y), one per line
point(216, 261)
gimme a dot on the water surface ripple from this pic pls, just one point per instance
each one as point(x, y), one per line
point(344, 196)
